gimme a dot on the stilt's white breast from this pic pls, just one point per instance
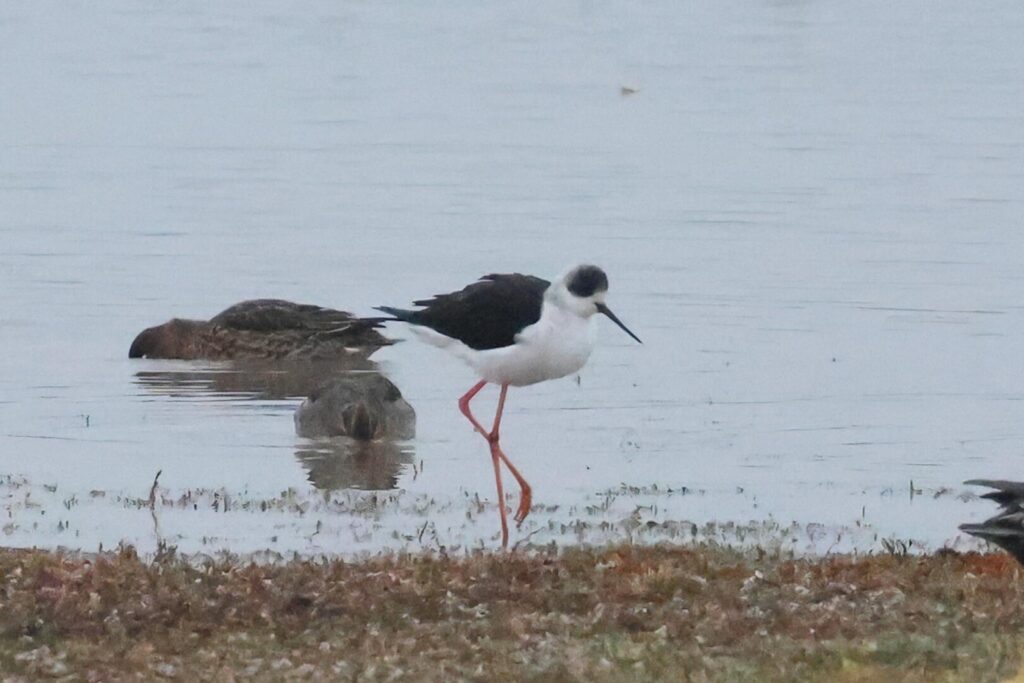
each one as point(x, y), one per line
point(557, 345)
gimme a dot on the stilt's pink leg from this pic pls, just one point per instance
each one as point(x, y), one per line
point(498, 456)
point(501, 500)
point(464, 406)
point(525, 492)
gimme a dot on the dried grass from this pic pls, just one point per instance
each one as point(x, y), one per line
point(702, 613)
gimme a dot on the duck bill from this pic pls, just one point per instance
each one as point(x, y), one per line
point(601, 308)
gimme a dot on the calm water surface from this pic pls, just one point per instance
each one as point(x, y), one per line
point(809, 211)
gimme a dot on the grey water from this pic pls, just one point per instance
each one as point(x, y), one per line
point(810, 211)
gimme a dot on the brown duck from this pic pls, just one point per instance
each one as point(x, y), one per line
point(363, 406)
point(262, 328)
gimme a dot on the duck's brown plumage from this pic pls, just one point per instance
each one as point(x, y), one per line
point(362, 406)
point(262, 328)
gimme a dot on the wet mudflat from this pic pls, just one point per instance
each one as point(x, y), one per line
point(358, 512)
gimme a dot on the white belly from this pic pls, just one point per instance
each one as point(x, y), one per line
point(557, 345)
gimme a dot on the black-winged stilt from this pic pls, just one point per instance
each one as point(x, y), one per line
point(1005, 528)
point(514, 330)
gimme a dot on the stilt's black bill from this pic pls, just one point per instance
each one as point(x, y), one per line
point(608, 312)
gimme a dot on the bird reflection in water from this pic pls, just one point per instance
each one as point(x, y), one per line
point(253, 379)
point(346, 463)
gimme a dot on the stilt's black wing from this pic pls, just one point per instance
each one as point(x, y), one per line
point(1009, 494)
point(487, 314)
point(271, 315)
point(1005, 529)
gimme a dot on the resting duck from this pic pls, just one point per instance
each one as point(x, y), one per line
point(262, 328)
point(1006, 528)
point(364, 406)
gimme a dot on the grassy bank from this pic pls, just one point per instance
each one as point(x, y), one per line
point(613, 614)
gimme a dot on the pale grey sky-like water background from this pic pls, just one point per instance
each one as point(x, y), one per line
point(811, 213)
